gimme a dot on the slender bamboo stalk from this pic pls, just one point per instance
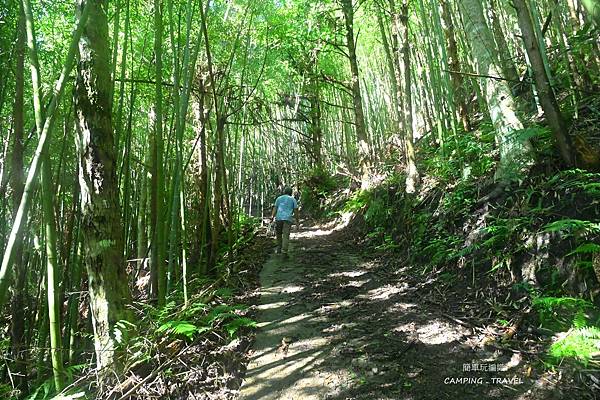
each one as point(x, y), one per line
point(15, 233)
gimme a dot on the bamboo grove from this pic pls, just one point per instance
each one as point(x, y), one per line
point(137, 136)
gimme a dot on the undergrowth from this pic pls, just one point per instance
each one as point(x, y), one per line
point(540, 234)
point(211, 317)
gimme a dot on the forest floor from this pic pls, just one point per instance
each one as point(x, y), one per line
point(341, 321)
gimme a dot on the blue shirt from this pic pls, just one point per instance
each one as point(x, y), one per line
point(285, 206)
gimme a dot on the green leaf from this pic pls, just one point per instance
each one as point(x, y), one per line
point(233, 326)
point(585, 249)
point(224, 293)
point(183, 328)
point(581, 344)
point(572, 226)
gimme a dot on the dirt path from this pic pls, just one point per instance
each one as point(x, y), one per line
point(290, 353)
point(339, 324)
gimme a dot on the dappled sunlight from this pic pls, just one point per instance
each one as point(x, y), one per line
point(339, 327)
point(268, 306)
point(292, 289)
point(381, 293)
point(291, 372)
point(279, 326)
point(326, 229)
point(438, 332)
point(330, 327)
point(349, 274)
point(355, 284)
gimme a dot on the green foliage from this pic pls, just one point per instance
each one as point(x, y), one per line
point(500, 231)
point(586, 248)
point(122, 331)
point(561, 312)
point(388, 243)
point(458, 200)
point(358, 201)
point(194, 309)
point(380, 208)
point(378, 212)
point(224, 293)
point(182, 328)
point(222, 312)
point(46, 389)
point(440, 250)
point(448, 277)
point(577, 180)
point(244, 228)
point(571, 226)
point(233, 326)
point(245, 222)
point(581, 344)
point(317, 186)
point(201, 318)
point(539, 136)
point(465, 156)
point(5, 390)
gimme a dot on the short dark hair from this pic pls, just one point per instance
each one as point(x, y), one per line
point(287, 190)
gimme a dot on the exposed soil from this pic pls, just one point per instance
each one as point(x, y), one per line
point(341, 321)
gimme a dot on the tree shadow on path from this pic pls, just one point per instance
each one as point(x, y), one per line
point(338, 324)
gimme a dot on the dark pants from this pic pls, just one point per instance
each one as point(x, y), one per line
point(282, 229)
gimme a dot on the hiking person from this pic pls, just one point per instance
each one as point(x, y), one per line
point(284, 212)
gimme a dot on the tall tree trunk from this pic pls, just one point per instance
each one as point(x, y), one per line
point(72, 268)
point(157, 202)
point(575, 16)
point(514, 153)
point(34, 169)
point(454, 66)
point(391, 67)
point(359, 115)
point(546, 95)
point(200, 113)
point(397, 59)
point(316, 131)
point(19, 353)
point(101, 228)
point(220, 207)
point(219, 192)
point(52, 266)
point(176, 248)
point(73, 304)
point(412, 174)
point(593, 9)
point(52, 273)
point(502, 52)
point(142, 240)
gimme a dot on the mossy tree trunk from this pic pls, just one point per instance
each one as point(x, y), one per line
point(546, 95)
point(359, 115)
point(316, 130)
point(514, 153)
point(412, 174)
point(593, 9)
point(101, 227)
point(456, 78)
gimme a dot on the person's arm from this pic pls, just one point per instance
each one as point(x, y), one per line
point(274, 210)
point(297, 214)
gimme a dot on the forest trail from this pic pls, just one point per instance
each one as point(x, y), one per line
point(338, 324)
point(289, 357)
